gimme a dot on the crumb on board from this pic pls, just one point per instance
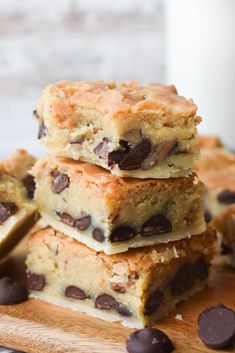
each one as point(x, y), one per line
point(179, 317)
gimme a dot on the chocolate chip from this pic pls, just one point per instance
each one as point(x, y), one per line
point(153, 302)
point(124, 311)
point(200, 268)
point(225, 249)
point(122, 233)
point(83, 223)
point(30, 185)
point(207, 216)
point(60, 181)
point(217, 326)
point(116, 157)
point(7, 209)
point(75, 293)
point(155, 225)
point(102, 149)
point(35, 281)
point(105, 302)
point(183, 281)
point(159, 153)
point(118, 287)
point(66, 218)
point(12, 292)
point(98, 235)
point(226, 197)
point(149, 340)
point(42, 132)
point(134, 158)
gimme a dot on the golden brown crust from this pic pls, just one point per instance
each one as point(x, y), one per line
point(216, 168)
point(108, 184)
point(63, 101)
point(18, 164)
point(141, 259)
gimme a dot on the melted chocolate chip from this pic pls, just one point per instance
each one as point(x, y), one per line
point(42, 132)
point(82, 223)
point(116, 157)
point(183, 281)
point(66, 218)
point(98, 235)
point(153, 302)
point(207, 216)
point(106, 302)
point(122, 233)
point(134, 158)
point(155, 225)
point(30, 185)
point(124, 311)
point(217, 326)
point(36, 282)
point(102, 149)
point(149, 340)
point(12, 292)
point(59, 182)
point(226, 197)
point(75, 293)
point(7, 209)
point(200, 269)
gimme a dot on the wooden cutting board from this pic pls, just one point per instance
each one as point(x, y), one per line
point(38, 327)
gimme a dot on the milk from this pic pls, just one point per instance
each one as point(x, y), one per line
point(200, 58)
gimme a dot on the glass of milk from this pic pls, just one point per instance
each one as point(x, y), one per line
point(200, 46)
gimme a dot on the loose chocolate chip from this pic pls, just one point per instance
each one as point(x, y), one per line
point(225, 249)
point(134, 158)
point(83, 223)
point(102, 149)
point(207, 216)
point(42, 132)
point(149, 340)
point(36, 282)
point(200, 269)
point(7, 209)
point(30, 185)
point(155, 225)
point(226, 197)
point(12, 292)
point(59, 182)
point(217, 326)
point(118, 287)
point(183, 281)
point(124, 311)
point(98, 235)
point(153, 302)
point(66, 218)
point(75, 293)
point(122, 233)
point(106, 302)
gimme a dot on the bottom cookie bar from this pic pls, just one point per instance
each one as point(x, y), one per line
point(136, 288)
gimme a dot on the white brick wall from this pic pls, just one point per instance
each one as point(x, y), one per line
point(48, 40)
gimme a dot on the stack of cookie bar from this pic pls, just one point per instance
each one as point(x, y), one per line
point(126, 238)
point(216, 169)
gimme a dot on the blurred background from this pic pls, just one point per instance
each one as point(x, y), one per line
point(46, 41)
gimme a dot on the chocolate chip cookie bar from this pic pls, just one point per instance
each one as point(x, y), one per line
point(112, 214)
point(136, 288)
point(216, 169)
point(133, 131)
point(17, 209)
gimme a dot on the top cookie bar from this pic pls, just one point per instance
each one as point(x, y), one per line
point(133, 131)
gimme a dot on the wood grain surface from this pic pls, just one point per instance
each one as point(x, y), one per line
point(38, 327)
